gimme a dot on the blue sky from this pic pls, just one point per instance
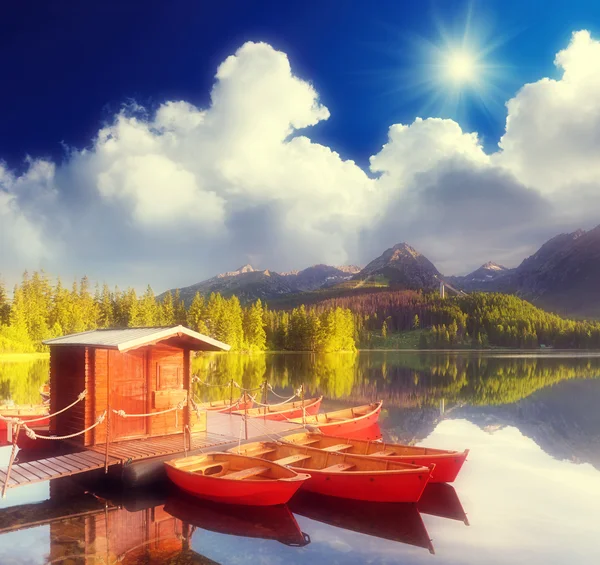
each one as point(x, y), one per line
point(72, 70)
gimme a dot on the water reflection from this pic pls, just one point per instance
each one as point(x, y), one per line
point(163, 525)
point(400, 378)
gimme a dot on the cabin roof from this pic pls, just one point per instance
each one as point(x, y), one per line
point(132, 338)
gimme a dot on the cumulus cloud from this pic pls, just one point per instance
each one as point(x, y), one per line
point(199, 190)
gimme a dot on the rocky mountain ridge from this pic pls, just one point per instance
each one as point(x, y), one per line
point(562, 276)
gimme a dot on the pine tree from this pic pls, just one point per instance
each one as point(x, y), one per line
point(197, 315)
point(254, 330)
point(148, 312)
point(179, 310)
point(167, 317)
point(4, 305)
point(106, 318)
point(416, 322)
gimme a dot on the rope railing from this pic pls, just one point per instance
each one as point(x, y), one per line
point(277, 404)
point(33, 435)
point(80, 397)
point(124, 414)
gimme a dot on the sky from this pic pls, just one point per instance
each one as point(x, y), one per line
point(164, 142)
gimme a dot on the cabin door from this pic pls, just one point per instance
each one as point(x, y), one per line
point(129, 393)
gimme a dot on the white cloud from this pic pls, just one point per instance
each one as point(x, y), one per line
point(199, 190)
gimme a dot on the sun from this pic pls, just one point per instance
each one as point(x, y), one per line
point(457, 69)
point(461, 66)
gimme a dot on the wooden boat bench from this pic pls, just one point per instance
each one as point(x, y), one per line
point(248, 473)
point(338, 447)
point(292, 459)
point(384, 453)
point(260, 452)
point(212, 468)
point(338, 468)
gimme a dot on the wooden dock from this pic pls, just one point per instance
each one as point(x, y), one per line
point(225, 429)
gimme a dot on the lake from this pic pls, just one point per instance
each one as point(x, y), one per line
point(529, 492)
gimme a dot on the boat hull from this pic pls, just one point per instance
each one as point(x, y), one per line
point(25, 417)
point(447, 463)
point(236, 492)
point(349, 428)
point(373, 487)
point(266, 492)
point(447, 466)
point(290, 411)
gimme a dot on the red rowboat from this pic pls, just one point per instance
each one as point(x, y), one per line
point(22, 412)
point(441, 500)
point(345, 476)
point(386, 520)
point(447, 463)
point(344, 423)
point(225, 406)
point(235, 479)
point(264, 522)
point(285, 411)
point(45, 393)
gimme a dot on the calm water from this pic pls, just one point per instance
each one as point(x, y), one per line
point(529, 492)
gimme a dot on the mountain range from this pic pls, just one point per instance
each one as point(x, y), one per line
point(562, 276)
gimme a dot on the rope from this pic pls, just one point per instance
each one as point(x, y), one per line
point(81, 396)
point(278, 404)
point(231, 407)
point(32, 435)
point(277, 395)
point(124, 414)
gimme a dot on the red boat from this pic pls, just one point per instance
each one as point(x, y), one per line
point(285, 411)
point(441, 500)
point(235, 479)
point(447, 463)
point(264, 522)
point(37, 412)
point(345, 423)
point(346, 476)
point(225, 406)
point(386, 520)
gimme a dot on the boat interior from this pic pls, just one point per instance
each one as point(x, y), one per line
point(360, 447)
point(232, 467)
point(342, 415)
point(305, 457)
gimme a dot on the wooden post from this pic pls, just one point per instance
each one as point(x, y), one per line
point(231, 396)
point(108, 412)
point(265, 397)
point(246, 418)
point(13, 454)
point(108, 421)
point(302, 399)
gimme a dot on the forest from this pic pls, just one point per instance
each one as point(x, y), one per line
point(40, 310)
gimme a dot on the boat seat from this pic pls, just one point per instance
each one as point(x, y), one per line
point(291, 459)
point(338, 468)
point(338, 447)
point(383, 453)
point(248, 473)
point(261, 452)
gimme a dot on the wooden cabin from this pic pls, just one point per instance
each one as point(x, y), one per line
point(137, 370)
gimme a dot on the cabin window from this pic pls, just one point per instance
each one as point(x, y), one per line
point(169, 376)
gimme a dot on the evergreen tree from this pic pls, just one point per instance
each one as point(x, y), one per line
point(197, 315)
point(179, 310)
point(167, 316)
point(254, 330)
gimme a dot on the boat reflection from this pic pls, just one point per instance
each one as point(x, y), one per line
point(441, 499)
point(399, 522)
point(266, 522)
